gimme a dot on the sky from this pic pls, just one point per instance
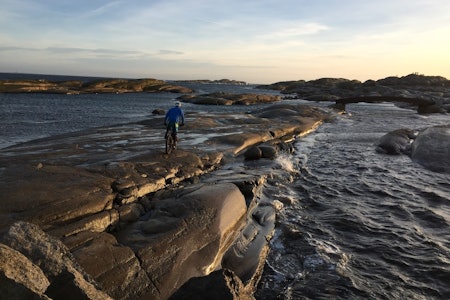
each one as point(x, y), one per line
point(257, 41)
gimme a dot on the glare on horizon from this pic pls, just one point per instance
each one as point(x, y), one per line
point(262, 41)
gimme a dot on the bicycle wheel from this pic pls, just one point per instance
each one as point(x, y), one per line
point(169, 143)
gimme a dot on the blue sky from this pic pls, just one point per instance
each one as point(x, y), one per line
point(262, 41)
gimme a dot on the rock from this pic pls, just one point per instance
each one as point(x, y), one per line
point(253, 153)
point(185, 236)
point(52, 195)
point(19, 277)
point(67, 280)
point(131, 212)
point(159, 112)
point(430, 109)
point(221, 98)
point(269, 151)
point(286, 147)
point(115, 267)
point(431, 148)
point(247, 255)
point(137, 220)
point(427, 93)
point(415, 80)
point(396, 142)
point(226, 286)
point(97, 222)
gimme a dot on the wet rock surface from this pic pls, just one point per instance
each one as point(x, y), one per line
point(134, 222)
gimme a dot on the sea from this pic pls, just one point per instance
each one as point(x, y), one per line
point(353, 223)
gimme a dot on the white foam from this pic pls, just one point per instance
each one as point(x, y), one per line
point(287, 162)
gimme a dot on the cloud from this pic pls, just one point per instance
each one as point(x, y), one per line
point(169, 52)
point(13, 48)
point(224, 36)
point(103, 9)
point(70, 50)
point(291, 30)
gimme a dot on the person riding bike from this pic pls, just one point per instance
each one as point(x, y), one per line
point(174, 118)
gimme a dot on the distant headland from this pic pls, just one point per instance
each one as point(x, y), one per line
point(61, 84)
point(79, 86)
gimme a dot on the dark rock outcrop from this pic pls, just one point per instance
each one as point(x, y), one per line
point(428, 94)
point(221, 98)
point(396, 142)
point(431, 148)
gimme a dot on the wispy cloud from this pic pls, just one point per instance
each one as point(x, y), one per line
point(104, 8)
point(222, 37)
point(169, 52)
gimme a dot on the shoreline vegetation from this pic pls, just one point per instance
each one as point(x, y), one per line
point(105, 214)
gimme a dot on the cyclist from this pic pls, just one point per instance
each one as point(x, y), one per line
point(174, 118)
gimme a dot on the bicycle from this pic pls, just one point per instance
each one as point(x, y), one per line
point(171, 143)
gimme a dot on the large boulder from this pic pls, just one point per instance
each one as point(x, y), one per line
point(431, 148)
point(396, 142)
point(185, 235)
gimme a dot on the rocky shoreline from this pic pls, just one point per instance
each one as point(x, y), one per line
point(106, 213)
point(428, 94)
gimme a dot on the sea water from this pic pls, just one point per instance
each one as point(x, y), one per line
point(358, 224)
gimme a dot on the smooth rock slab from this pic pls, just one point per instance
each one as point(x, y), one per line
point(51, 195)
point(185, 236)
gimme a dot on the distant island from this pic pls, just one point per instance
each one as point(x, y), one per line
point(206, 81)
point(62, 84)
point(430, 94)
point(95, 86)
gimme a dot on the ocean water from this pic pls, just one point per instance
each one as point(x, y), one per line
point(24, 117)
point(355, 224)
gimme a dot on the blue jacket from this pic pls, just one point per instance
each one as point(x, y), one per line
point(174, 115)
